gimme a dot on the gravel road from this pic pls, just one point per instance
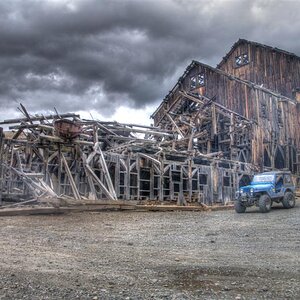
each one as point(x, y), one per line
point(152, 255)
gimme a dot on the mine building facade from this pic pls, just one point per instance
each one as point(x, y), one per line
point(259, 87)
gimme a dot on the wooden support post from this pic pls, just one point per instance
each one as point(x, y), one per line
point(98, 181)
point(161, 180)
point(151, 183)
point(175, 125)
point(89, 178)
point(71, 179)
point(190, 179)
point(127, 177)
point(117, 177)
point(105, 171)
point(231, 134)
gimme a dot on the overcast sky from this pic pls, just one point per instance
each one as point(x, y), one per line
point(117, 59)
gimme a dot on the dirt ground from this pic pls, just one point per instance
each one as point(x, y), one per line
point(151, 255)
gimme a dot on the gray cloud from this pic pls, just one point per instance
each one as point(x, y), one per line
point(99, 54)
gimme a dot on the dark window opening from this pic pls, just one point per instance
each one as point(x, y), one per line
point(176, 176)
point(97, 172)
point(194, 185)
point(145, 174)
point(122, 179)
point(166, 182)
point(241, 156)
point(241, 60)
point(203, 179)
point(156, 182)
point(226, 181)
point(279, 159)
point(145, 185)
point(176, 188)
point(224, 165)
point(267, 160)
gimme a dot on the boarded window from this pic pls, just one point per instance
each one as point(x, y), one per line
point(241, 60)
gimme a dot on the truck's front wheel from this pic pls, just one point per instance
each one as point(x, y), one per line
point(239, 207)
point(264, 203)
point(288, 200)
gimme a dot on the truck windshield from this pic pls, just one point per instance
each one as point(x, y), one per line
point(263, 179)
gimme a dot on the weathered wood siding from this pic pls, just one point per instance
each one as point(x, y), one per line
point(275, 119)
point(277, 70)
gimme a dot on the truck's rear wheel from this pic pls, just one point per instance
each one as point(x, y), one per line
point(264, 203)
point(239, 207)
point(288, 200)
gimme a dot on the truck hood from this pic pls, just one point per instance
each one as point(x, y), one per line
point(257, 187)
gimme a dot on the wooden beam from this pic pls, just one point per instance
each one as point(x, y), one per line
point(71, 179)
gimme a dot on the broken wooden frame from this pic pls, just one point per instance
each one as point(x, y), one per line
point(109, 160)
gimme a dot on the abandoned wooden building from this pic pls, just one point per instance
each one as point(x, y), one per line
point(214, 129)
point(261, 126)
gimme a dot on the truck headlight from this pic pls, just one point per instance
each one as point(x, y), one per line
point(251, 191)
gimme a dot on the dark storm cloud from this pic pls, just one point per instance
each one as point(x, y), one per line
point(99, 54)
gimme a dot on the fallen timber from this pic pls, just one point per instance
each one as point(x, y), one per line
point(111, 161)
point(40, 210)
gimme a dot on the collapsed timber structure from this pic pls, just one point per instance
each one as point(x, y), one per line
point(52, 156)
point(214, 129)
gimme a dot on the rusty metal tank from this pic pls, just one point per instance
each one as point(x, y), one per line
point(67, 129)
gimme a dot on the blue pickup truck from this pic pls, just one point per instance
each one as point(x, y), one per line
point(265, 189)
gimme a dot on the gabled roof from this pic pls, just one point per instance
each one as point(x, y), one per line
point(244, 41)
point(221, 72)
